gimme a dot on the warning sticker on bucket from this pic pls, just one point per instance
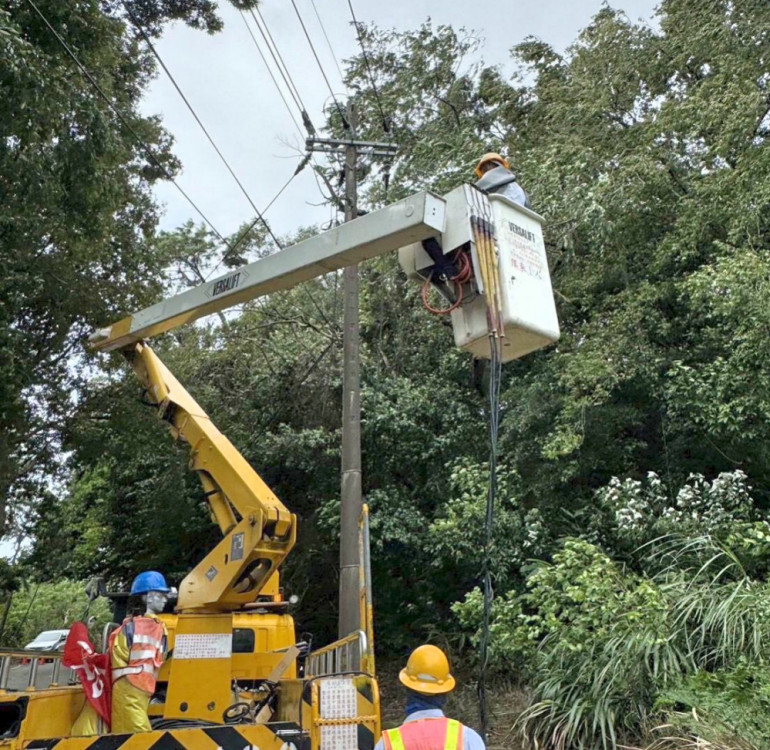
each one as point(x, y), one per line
point(204, 646)
point(526, 254)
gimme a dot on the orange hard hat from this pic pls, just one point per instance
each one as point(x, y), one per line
point(427, 671)
point(491, 156)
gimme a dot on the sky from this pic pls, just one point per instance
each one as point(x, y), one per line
point(228, 86)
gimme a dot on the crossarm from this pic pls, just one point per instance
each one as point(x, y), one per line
point(258, 529)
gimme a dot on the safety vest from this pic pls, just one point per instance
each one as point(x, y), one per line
point(145, 652)
point(425, 734)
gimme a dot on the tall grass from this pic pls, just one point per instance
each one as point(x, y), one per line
point(705, 733)
point(600, 698)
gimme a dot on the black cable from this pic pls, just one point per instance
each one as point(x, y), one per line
point(495, 377)
point(385, 120)
point(147, 150)
point(495, 380)
point(270, 72)
point(197, 119)
point(311, 129)
point(328, 42)
point(345, 122)
point(283, 70)
point(242, 236)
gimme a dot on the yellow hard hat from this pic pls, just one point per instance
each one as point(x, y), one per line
point(427, 671)
point(491, 156)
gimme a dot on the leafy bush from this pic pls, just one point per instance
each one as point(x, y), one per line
point(456, 537)
point(725, 702)
point(595, 641)
point(608, 651)
point(51, 606)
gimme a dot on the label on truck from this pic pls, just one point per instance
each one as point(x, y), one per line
point(339, 701)
point(226, 284)
point(204, 646)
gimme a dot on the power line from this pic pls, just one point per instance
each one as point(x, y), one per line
point(385, 120)
point(251, 226)
point(272, 76)
point(147, 150)
point(334, 198)
point(276, 55)
point(283, 70)
point(326, 36)
point(242, 236)
point(345, 122)
point(198, 120)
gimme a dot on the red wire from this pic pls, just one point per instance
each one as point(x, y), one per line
point(465, 273)
point(462, 276)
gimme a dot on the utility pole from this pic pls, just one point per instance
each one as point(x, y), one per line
point(350, 489)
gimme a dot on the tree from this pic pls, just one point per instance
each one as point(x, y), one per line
point(644, 152)
point(77, 211)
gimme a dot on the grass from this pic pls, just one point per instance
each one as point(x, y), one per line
point(705, 733)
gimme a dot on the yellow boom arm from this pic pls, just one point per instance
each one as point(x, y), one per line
point(258, 529)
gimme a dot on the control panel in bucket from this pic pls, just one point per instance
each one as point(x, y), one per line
point(527, 312)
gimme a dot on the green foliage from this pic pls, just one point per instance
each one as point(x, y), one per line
point(607, 651)
point(722, 704)
point(52, 606)
point(78, 215)
point(457, 537)
point(593, 641)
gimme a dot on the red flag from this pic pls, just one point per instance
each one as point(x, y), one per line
point(92, 669)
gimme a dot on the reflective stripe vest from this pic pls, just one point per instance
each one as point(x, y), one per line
point(425, 734)
point(145, 652)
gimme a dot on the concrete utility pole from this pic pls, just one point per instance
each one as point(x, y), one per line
point(350, 490)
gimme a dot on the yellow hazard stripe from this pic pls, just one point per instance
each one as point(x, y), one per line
point(210, 738)
point(452, 735)
point(393, 739)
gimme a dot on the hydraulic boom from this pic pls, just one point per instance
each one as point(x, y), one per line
point(258, 529)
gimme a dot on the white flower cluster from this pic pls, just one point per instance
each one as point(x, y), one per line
point(634, 504)
point(712, 504)
point(639, 505)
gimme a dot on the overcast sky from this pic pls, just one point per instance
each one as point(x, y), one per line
point(231, 91)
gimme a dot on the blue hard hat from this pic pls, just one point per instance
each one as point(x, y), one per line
point(150, 580)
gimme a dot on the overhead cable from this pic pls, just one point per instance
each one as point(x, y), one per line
point(326, 36)
point(283, 69)
point(122, 117)
point(495, 382)
point(334, 197)
point(245, 233)
point(385, 120)
point(341, 112)
point(272, 76)
point(198, 120)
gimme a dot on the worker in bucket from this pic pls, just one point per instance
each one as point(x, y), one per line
point(495, 176)
point(428, 683)
point(137, 650)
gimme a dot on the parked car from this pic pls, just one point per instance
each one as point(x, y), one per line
point(48, 640)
